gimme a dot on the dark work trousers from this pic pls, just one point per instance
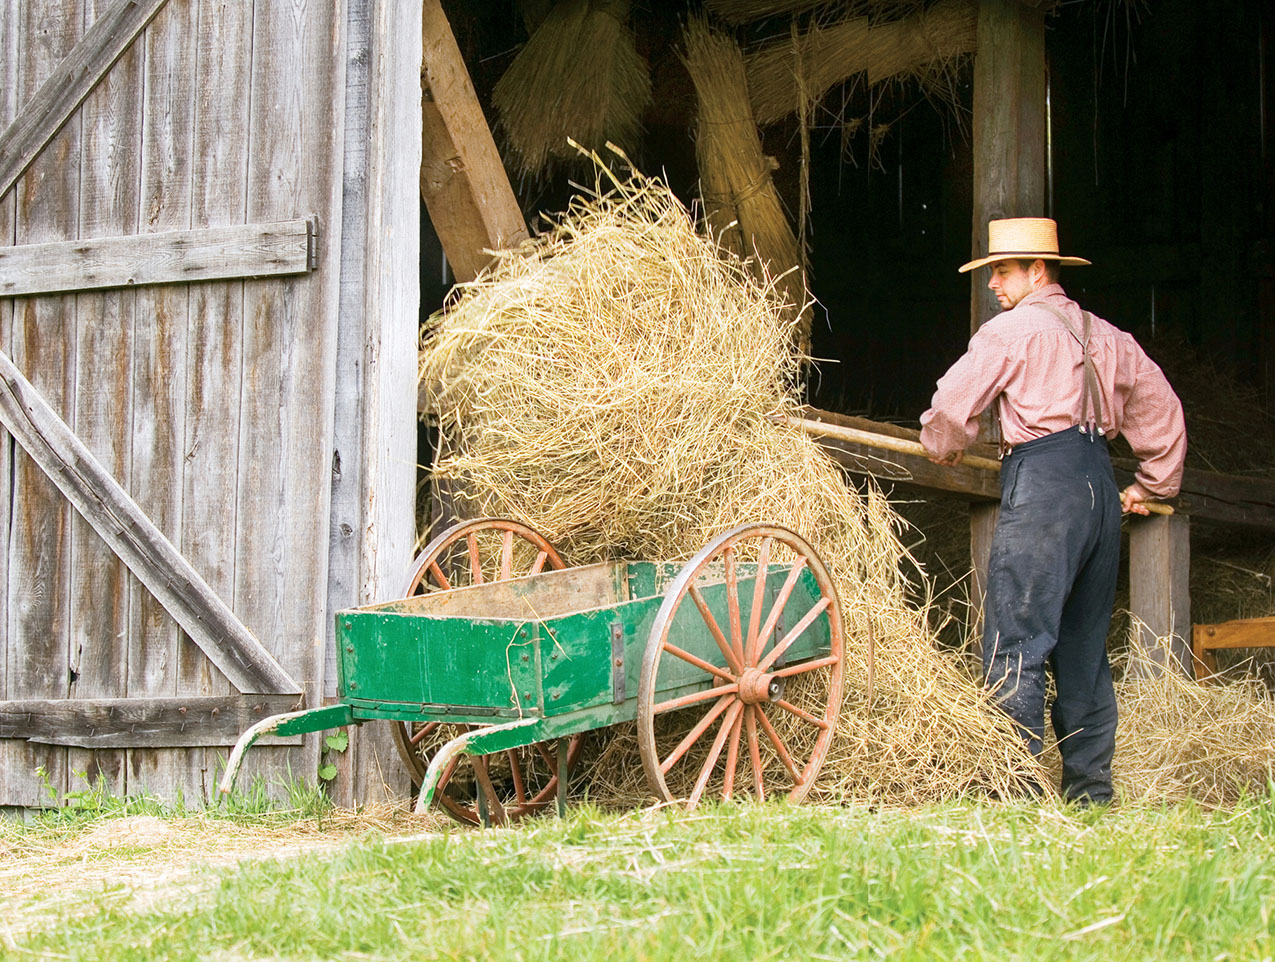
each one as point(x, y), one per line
point(1051, 582)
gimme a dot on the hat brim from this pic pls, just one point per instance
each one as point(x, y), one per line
point(1022, 256)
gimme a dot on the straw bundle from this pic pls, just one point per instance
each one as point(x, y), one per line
point(578, 77)
point(740, 201)
point(923, 45)
point(610, 384)
point(746, 11)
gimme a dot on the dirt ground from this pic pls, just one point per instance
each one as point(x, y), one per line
point(140, 861)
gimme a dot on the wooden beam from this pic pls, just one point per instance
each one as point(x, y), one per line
point(1206, 495)
point(463, 181)
point(1160, 594)
point(75, 77)
point(1009, 179)
point(101, 723)
point(116, 517)
point(976, 484)
point(217, 253)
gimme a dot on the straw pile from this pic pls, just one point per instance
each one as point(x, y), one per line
point(740, 201)
point(1180, 739)
point(923, 46)
point(578, 77)
point(610, 383)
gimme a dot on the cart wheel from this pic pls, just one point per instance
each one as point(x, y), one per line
point(517, 782)
point(774, 720)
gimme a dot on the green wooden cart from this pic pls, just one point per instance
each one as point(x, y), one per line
point(731, 664)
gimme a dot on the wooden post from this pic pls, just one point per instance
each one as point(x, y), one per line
point(1009, 178)
point(1160, 594)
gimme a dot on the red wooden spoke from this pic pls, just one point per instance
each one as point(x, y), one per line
point(781, 600)
point(732, 604)
point(440, 579)
point(804, 666)
point(515, 772)
point(699, 663)
point(475, 562)
point(693, 735)
point(732, 757)
point(426, 729)
point(547, 755)
point(507, 556)
point(759, 592)
point(792, 636)
point(695, 698)
point(715, 752)
point(778, 742)
point(754, 751)
point(496, 810)
point(802, 713)
point(539, 564)
point(715, 630)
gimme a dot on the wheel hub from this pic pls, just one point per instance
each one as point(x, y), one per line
point(757, 686)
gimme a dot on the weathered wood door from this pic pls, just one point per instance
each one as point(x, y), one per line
point(212, 147)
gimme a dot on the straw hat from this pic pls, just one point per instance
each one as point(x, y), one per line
point(1022, 238)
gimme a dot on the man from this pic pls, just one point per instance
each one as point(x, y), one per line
point(1062, 382)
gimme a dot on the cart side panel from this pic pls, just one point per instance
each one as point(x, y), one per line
point(420, 661)
point(580, 654)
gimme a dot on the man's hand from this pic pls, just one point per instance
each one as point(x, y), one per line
point(950, 461)
point(1132, 500)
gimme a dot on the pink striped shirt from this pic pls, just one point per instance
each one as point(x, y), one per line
point(1028, 360)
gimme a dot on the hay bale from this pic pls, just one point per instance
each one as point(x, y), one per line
point(924, 46)
point(610, 383)
point(579, 77)
point(741, 204)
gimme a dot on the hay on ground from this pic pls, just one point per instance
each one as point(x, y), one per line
point(611, 384)
point(579, 77)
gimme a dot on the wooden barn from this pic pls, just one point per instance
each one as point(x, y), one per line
point(221, 222)
point(209, 235)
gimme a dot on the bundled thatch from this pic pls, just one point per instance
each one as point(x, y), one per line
point(740, 201)
point(611, 383)
point(784, 74)
point(580, 78)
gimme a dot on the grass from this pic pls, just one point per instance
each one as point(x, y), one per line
point(969, 880)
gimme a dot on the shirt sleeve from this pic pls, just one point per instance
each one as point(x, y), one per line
point(963, 393)
point(1155, 429)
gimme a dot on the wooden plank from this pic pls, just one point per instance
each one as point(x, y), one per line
point(1160, 594)
point(99, 614)
point(160, 363)
point(295, 127)
point(373, 478)
point(463, 181)
point(149, 555)
point(75, 76)
point(118, 723)
point(44, 339)
point(13, 775)
point(219, 157)
point(219, 253)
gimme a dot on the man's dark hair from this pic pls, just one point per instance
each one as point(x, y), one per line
point(1053, 270)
